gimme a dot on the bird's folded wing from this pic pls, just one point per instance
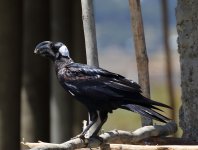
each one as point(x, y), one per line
point(99, 80)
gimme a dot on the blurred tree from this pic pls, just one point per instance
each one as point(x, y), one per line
point(187, 22)
point(35, 81)
point(66, 113)
point(10, 66)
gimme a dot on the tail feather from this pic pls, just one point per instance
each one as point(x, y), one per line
point(153, 107)
point(147, 112)
point(156, 103)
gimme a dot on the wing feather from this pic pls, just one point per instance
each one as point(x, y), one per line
point(88, 78)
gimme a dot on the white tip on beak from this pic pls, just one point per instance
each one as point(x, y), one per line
point(35, 51)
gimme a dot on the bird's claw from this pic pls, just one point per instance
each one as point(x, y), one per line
point(82, 136)
point(97, 138)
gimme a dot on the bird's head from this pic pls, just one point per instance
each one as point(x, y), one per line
point(52, 50)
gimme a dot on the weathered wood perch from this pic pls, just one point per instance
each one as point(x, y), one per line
point(115, 136)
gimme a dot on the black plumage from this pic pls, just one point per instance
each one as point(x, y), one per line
point(99, 90)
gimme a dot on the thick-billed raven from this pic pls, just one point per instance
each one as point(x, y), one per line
point(99, 90)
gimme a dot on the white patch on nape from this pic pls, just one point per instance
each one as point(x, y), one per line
point(63, 50)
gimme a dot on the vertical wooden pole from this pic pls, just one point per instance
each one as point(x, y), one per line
point(66, 26)
point(10, 76)
point(89, 32)
point(35, 78)
point(140, 49)
point(79, 55)
point(168, 56)
point(61, 102)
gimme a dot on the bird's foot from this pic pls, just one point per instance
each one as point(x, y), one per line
point(94, 141)
point(90, 142)
point(98, 138)
point(93, 137)
point(83, 134)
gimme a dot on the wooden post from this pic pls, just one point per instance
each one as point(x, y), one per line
point(140, 49)
point(89, 32)
point(61, 102)
point(168, 56)
point(35, 80)
point(10, 76)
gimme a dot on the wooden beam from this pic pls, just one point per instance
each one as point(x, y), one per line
point(140, 49)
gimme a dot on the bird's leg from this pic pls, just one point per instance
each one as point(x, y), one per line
point(95, 128)
point(84, 124)
point(93, 116)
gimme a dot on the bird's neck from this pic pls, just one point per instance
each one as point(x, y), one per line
point(62, 62)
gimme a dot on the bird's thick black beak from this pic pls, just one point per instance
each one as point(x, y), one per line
point(41, 47)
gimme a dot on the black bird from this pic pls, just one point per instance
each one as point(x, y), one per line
point(99, 90)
